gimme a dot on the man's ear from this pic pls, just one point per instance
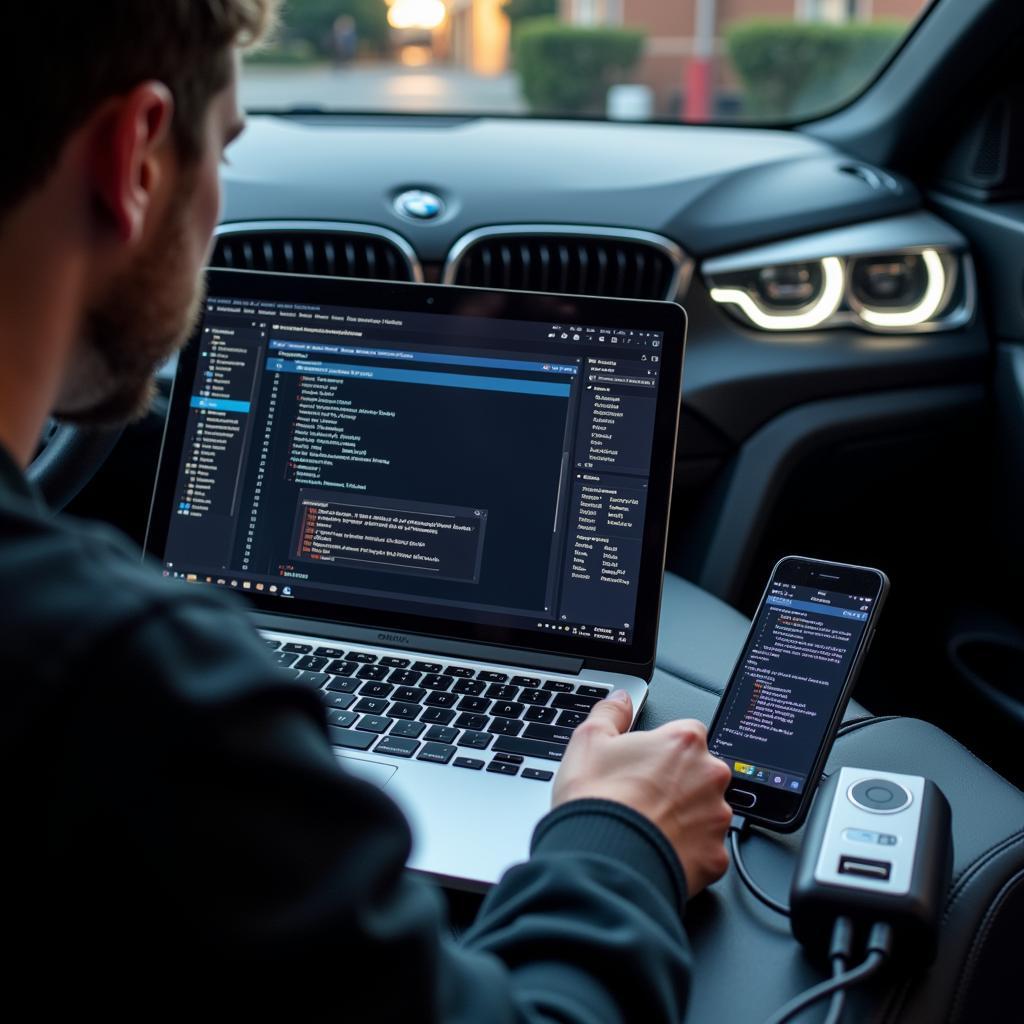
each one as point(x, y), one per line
point(129, 156)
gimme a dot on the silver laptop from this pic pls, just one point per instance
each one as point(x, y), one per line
point(448, 509)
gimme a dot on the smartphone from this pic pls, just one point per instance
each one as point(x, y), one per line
point(779, 714)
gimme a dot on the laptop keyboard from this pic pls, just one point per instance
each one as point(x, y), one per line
point(472, 718)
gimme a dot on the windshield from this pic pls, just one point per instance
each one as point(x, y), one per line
point(743, 61)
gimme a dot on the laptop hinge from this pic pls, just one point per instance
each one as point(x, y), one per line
point(415, 642)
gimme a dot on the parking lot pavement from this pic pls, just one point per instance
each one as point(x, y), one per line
point(384, 87)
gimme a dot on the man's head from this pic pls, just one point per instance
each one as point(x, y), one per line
point(128, 108)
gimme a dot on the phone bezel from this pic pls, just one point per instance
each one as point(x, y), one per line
point(777, 809)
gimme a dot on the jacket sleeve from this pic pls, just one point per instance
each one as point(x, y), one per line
point(200, 797)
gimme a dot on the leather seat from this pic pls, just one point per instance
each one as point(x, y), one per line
point(746, 963)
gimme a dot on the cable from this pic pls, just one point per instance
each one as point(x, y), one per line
point(839, 955)
point(837, 984)
point(838, 1004)
point(736, 829)
point(879, 944)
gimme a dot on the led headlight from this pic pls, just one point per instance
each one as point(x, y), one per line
point(900, 291)
point(823, 282)
point(785, 286)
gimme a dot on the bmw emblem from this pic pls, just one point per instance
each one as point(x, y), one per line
point(417, 204)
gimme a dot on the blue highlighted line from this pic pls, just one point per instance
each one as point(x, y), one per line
point(444, 380)
point(402, 355)
point(821, 609)
point(220, 404)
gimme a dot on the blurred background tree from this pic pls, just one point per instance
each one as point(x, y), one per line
point(309, 23)
point(794, 69)
point(567, 69)
point(519, 10)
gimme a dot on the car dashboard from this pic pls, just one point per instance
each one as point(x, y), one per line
point(824, 299)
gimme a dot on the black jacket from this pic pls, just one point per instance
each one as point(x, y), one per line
point(179, 839)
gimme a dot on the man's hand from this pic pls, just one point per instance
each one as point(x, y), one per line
point(667, 775)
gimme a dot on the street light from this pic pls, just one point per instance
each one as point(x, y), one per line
point(416, 14)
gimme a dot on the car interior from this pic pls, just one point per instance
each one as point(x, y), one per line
point(853, 391)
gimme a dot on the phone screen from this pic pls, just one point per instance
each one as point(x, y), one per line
point(794, 671)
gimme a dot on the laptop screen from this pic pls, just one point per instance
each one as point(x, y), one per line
point(448, 466)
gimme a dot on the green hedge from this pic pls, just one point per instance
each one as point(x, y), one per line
point(797, 69)
point(297, 51)
point(519, 10)
point(566, 69)
point(311, 21)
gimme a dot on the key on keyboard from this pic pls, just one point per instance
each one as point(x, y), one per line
point(441, 753)
point(437, 699)
point(410, 694)
point(531, 681)
point(314, 680)
point(441, 734)
point(507, 709)
point(336, 700)
point(405, 711)
point(570, 719)
point(506, 726)
point(496, 691)
point(349, 738)
point(534, 731)
point(540, 714)
point(330, 652)
point(342, 668)
point(410, 729)
point(397, 746)
point(402, 676)
point(532, 748)
point(437, 716)
point(343, 718)
point(342, 685)
point(373, 723)
point(574, 702)
point(476, 740)
point(372, 706)
point(433, 681)
point(467, 720)
point(535, 696)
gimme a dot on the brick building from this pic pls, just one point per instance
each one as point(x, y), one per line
point(674, 36)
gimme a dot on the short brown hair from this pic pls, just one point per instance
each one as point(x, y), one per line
point(62, 59)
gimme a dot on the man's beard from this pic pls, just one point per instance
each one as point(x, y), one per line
point(147, 315)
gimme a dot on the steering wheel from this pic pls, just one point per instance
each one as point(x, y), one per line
point(69, 458)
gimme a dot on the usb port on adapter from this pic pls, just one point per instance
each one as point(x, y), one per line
point(879, 870)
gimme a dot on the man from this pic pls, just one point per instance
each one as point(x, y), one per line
point(178, 835)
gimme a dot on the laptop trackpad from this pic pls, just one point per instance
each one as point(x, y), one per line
point(369, 771)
